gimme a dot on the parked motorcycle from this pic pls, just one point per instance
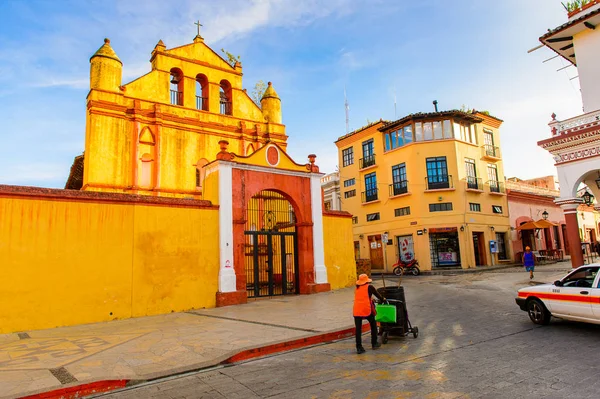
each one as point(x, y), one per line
point(402, 267)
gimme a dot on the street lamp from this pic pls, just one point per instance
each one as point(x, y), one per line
point(545, 215)
point(588, 198)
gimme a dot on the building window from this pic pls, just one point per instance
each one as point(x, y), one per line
point(348, 156)
point(472, 181)
point(354, 219)
point(400, 184)
point(225, 98)
point(176, 85)
point(398, 138)
point(372, 217)
point(370, 187)
point(501, 242)
point(327, 205)
point(444, 249)
point(350, 194)
point(201, 92)
point(368, 158)
point(465, 132)
point(474, 207)
point(496, 209)
point(437, 173)
point(349, 182)
point(488, 143)
point(493, 178)
point(441, 207)
point(402, 211)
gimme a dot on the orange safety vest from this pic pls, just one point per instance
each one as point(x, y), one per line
point(362, 301)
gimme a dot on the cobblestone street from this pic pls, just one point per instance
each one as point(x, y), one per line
point(474, 342)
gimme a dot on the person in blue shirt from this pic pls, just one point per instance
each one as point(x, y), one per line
point(529, 261)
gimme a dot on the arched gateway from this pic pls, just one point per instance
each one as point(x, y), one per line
point(270, 224)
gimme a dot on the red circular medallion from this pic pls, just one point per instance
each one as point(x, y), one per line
point(272, 156)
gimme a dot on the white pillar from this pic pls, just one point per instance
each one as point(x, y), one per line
point(226, 271)
point(317, 218)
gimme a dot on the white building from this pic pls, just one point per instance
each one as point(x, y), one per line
point(331, 190)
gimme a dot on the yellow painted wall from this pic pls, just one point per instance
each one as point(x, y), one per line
point(339, 253)
point(71, 262)
point(414, 156)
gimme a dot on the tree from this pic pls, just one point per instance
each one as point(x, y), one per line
point(258, 91)
point(231, 59)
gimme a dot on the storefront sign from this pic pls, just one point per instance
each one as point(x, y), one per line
point(419, 232)
point(413, 223)
point(442, 229)
point(374, 245)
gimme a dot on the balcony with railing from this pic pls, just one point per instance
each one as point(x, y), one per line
point(202, 103)
point(496, 187)
point(369, 196)
point(399, 188)
point(443, 182)
point(474, 183)
point(574, 124)
point(176, 97)
point(225, 107)
point(367, 161)
point(490, 152)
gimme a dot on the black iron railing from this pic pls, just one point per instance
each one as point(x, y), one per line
point(398, 188)
point(474, 183)
point(226, 107)
point(367, 161)
point(439, 182)
point(491, 151)
point(496, 187)
point(369, 195)
point(176, 97)
point(201, 103)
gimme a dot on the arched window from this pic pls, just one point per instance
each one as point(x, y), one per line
point(200, 173)
point(201, 92)
point(176, 85)
point(225, 97)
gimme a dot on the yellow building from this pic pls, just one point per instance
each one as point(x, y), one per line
point(432, 184)
point(152, 136)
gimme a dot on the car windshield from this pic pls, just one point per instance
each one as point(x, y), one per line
point(581, 278)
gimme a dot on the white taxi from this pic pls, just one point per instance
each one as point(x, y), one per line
point(574, 297)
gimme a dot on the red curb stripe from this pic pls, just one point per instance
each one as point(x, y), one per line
point(291, 345)
point(80, 390)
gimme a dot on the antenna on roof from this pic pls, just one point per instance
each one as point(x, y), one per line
point(347, 107)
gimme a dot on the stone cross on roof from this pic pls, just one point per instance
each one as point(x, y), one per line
point(199, 25)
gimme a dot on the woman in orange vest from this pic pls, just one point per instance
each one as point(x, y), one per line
point(365, 309)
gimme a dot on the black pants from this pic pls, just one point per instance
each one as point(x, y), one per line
point(358, 323)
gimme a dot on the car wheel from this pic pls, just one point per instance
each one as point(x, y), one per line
point(538, 312)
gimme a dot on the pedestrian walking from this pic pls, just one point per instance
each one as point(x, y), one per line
point(529, 261)
point(364, 308)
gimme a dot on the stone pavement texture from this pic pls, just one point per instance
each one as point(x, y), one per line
point(157, 346)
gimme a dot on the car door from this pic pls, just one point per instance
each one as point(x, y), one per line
point(595, 298)
point(573, 296)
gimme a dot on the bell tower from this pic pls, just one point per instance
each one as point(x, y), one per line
point(105, 69)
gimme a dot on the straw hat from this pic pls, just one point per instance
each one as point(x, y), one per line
point(363, 279)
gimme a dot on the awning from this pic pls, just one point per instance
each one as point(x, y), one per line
point(540, 224)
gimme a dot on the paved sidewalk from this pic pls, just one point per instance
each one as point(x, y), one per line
point(151, 347)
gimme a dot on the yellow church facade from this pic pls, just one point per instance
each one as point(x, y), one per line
point(184, 198)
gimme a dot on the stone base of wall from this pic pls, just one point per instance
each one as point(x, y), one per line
point(363, 266)
point(316, 288)
point(232, 298)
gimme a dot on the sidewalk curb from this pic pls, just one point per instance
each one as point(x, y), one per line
point(104, 386)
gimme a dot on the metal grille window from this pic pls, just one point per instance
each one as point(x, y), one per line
point(501, 241)
point(474, 207)
point(354, 219)
point(402, 211)
point(437, 173)
point(349, 182)
point(493, 178)
point(472, 181)
point(372, 217)
point(350, 194)
point(370, 187)
point(496, 209)
point(348, 156)
point(400, 184)
point(441, 207)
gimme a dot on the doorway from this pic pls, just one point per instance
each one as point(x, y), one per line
point(376, 248)
point(479, 248)
point(271, 246)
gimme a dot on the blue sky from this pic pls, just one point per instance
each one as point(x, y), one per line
point(459, 52)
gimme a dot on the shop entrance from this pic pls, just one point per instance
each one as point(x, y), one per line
point(444, 247)
point(479, 248)
point(376, 249)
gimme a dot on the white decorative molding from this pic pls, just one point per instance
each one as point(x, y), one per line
point(270, 170)
point(317, 218)
point(579, 122)
point(227, 279)
point(578, 154)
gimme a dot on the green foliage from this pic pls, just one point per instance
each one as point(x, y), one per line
point(258, 91)
point(231, 59)
point(575, 4)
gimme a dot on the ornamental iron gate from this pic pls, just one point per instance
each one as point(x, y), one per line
point(270, 250)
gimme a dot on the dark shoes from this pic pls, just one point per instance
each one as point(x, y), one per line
point(360, 350)
point(377, 345)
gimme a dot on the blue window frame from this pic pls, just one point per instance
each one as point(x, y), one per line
point(437, 173)
point(371, 187)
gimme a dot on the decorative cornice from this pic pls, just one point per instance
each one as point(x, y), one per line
point(577, 155)
point(570, 139)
